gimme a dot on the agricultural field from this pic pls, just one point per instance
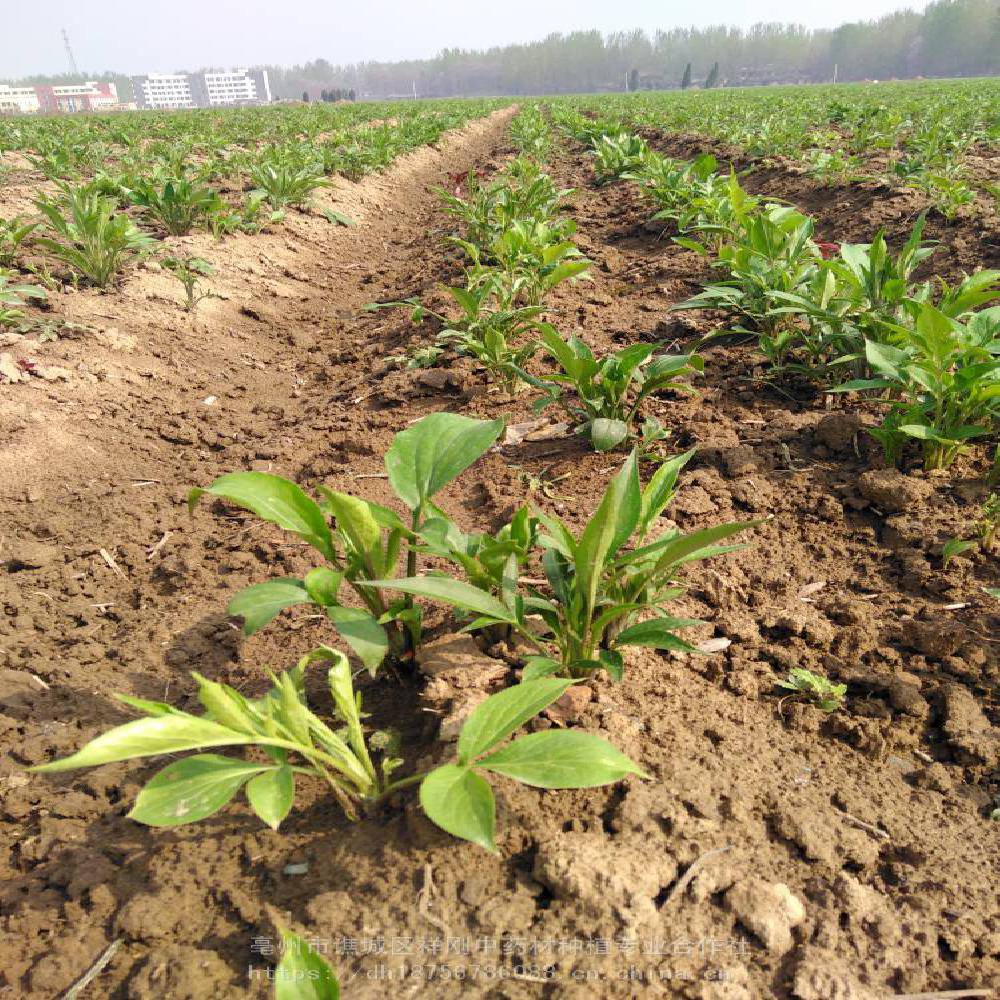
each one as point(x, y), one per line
point(469, 548)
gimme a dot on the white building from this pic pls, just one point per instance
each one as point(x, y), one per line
point(18, 100)
point(202, 90)
point(162, 90)
point(53, 99)
point(237, 87)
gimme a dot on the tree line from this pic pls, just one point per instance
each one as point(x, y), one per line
point(950, 38)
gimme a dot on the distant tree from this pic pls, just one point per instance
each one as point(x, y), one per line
point(633, 80)
point(713, 77)
point(305, 96)
point(947, 38)
point(352, 95)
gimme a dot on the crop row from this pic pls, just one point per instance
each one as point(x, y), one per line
point(122, 183)
point(605, 589)
point(916, 135)
point(849, 316)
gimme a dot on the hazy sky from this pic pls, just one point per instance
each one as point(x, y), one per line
point(168, 35)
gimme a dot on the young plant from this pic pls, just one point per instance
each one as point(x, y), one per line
point(774, 256)
point(284, 180)
point(189, 271)
point(302, 973)
point(90, 236)
point(945, 376)
point(615, 155)
point(426, 356)
point(492, 563)
point(366, 540)
point(521, 193)
point(989, 519)
point(498, 334)
point(598, 591)
point(605, 396)
point(251, 217)
point(12, 299)
point(526, 262)
point(820, 691)
point(178, 205)
point(294, 743)
point(13, 232)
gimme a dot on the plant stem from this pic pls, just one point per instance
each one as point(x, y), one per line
point(396, 786)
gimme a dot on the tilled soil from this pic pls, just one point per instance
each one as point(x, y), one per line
point(775, 851)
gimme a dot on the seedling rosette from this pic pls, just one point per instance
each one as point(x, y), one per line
point(295, 743)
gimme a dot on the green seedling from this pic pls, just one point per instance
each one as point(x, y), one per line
point(366, 540)
point(178, 203)
point(90, 236)
point(954, 547)
point(189, 271)
point(302, 973)
point(13, 233)
point(600, 596)
point(294, 743)
point(604, 397)
point(499, 335)
point(284, 180)
point(13, 299)
point(989, 519)
point(945, 377)
point(820, 691)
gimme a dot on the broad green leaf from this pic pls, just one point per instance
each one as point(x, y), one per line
point(564, 271)
point(276, 500)
point(148, 737)
point(611, 525)
point(271, 794)
point(613, 663)
point(338, 218)
point(444, 588)
point(323, 585)
point(362, 632)
point(355, 520)
point(660, 489)
point(262, 602)
point(430, 454)
point(884, 358)
point(302, 974)
point(924, 433)
point(460, 802)
point(686, 547)
point(144, 705)
point(496, 718)
point(536, 667)
point(567, 758)
point(657, 633)
point(191, 789)
point(607, 434)
point(993, 592)
point(860, 384)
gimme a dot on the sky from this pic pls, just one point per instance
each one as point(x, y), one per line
point(165, 35)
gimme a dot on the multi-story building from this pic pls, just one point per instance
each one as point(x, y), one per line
point(213, 89)
point(163, 90)
point(90, 96)
point(18, 100)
